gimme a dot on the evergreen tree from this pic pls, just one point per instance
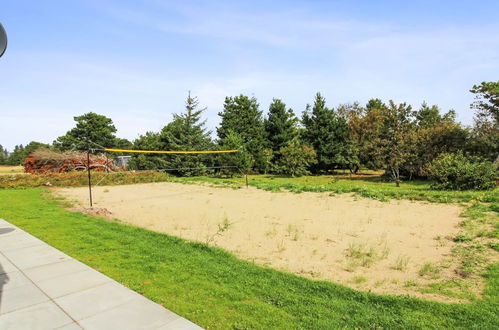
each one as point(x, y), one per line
point(280, 125)
point(91, 130)
point(427, 116)
point(148, 141)
point(242, 160)
point(242, 117)
point(187, 132)
point(4, 155)
point(21, 152)
point(328, 134)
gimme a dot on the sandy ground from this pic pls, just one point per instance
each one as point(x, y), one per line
point(363, 243)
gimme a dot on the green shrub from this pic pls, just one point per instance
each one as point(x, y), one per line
point(295, 159)
point(459, 172)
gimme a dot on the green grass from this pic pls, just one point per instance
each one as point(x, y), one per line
point(375, 187)
point(214, 289)
point(370, 187)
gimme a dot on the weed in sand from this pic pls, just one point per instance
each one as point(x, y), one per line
point(280, 246)
point(293, 232)
point(271, 233)
point(361, 254)
point(401, 263)
point(430, 270)
point(358, 280)
point(222, 227)
point(409, 284)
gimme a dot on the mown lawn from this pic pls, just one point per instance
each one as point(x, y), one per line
point(214, 289)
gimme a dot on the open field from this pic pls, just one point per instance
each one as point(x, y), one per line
point(4, 170)
point(216, 290)
point(364, 243)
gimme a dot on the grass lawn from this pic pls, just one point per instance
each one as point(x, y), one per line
point(214, 289)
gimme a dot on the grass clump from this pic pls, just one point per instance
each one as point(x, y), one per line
point(401, 263)
point(430, 270)
point(360, 254)
point(358, 280)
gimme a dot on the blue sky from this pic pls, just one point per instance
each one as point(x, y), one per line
point(135, 61)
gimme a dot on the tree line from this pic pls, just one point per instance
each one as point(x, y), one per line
point(392, 136)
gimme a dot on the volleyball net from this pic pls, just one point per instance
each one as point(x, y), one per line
point(203, 166)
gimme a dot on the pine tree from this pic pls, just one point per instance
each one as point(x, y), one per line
point(242, 160)
point(328, 134)
point(4, 155)
point(187, 132)
point(280, 127)
point(91, 130)
point(242, 117)
point(147, 141)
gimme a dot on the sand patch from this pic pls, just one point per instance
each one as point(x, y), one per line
point(363, 243)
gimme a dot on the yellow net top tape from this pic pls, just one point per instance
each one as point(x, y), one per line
point(172, 151)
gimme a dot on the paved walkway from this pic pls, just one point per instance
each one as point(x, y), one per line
point(43, 288)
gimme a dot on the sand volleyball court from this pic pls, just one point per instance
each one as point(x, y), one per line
point(358, 242)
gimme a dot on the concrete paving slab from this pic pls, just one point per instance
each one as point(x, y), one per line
point(139, 314)
point(13, 280)
point(38, 317)
point(4, 223)
point(89, 302)
point(72, 326)
point(30, 257)
point(71, 283)
point(45, 272)
point(20, 297)
point(16, 240)
point(43, 288)
point(6, 266)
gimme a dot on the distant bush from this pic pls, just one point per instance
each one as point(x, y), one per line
point(459, 172)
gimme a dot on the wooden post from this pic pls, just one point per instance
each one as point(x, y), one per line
point(89, 178)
